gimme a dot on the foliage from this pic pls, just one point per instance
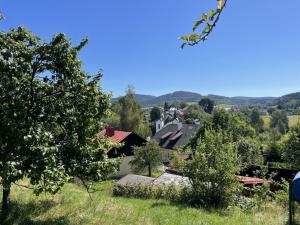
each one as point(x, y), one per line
point(72, 205)
point(256, 121)
point(166, 107)
point(209, 21)
point(182, 105)
point(132, 116)
point(279, 121)
point(263, 194)
point(148, 157)
point(207, 104)
point(212, 170)
point(192, 113)
point(130, 112)
point(290, 147)
point(234, 125)
point(282, 194)
point(155, 114)
point(249, 151)
point(171, 193)
point(51, 112)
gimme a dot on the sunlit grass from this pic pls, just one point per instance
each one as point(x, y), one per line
point(293, 120)
point(73, 206)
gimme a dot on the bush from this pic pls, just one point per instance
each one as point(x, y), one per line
point(212, 171)
point(282, 195)
point(170, 193)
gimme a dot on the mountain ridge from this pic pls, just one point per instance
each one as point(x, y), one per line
point(187, 96)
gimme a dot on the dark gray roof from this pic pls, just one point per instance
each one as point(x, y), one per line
point(178, 138)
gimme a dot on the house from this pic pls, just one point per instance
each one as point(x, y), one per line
point(129, 140)
point(173, 136)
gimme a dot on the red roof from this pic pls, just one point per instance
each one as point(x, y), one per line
point(252, 180)
point(116, 135)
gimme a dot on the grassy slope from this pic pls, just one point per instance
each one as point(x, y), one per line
point(293, 120)
point(73, 206)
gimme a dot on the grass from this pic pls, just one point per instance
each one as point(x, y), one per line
point(72, 205)
point(293, 120)
point(267, 120)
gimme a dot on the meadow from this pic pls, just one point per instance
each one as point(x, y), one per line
point(293, 120)
point(72, 205)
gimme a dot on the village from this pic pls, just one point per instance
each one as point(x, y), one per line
point(149, 112)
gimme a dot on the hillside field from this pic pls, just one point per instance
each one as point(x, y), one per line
point(293, 120)
point(73, 206)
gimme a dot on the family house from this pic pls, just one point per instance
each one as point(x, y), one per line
point(129, 140)
point(173, 136)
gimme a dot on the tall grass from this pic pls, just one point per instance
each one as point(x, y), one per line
point(72, 206)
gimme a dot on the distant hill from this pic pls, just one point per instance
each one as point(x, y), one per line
point(290, 101)
point(286, 101)
point(140, 98)
point(178, 96)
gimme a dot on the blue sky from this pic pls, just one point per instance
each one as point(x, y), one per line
point(254, 51)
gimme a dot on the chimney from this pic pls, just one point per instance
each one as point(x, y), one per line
point(110, 131)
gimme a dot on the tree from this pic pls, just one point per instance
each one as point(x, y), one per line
point(132, 116)
point(279, 121)
point(50, 114)
point(130, 112)
point(148, 157)
point(208, 21)
point(212, 171)
point(192, 113)
point(235, 125)
point(155, 114)
point(166, 107)
point(207, 104)
point(249, 151)
point(182, 105)
point(290, 147)
point(256, 121)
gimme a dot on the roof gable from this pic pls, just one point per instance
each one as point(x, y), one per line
point(171, 137)
point(115, 135)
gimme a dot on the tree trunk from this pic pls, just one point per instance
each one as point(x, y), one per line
point(149, 170)
point(5, 199)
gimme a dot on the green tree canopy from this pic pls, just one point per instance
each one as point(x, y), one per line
point(290, 147)
point(132, 116)
point(155, 114)
point(256, 120)
point(249, 151)
point(212, 170)
point(207, 104)
point(235, 125)
point(279, 121)
point(166, 106)
point(193, 112)
point(147, 157)
point(50, 114)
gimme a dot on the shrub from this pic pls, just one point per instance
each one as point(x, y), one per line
point(282, 195)
point(212, 171)
point(171, 193)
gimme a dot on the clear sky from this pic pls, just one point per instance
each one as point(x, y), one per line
point(254, 50)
